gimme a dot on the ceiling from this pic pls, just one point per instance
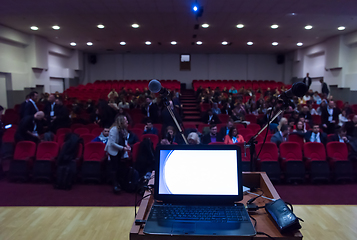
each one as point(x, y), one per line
point(162, 21)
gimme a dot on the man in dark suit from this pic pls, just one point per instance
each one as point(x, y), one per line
point(324, 88)
point(31, 107)
point(280, 136)
point(23, 106)
point(61, 116)
point(340, 136)
point(307, 80)
point(30, 128)
point(151, 110)
point(305, 113)
point(210, 118)
point(211, 136)
point(49, 110)
point(315, 135)
point(329, 117)
point(224, 131)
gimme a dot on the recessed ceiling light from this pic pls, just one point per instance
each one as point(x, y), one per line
point(341, 28)
point(199, 43)
point(224, 43)
point(299, 44)
point(173, 43)
point(89, 43)
point(205, 25)
point(34, 28)
point(56, 27)
point(275, 43)
point(122, 43)
point(135, 25)
point(249, 43)
point(148, 43)
point(73, 44)
point(308, 27)
point(274, 26)
point(100, 26)
point(240, 25)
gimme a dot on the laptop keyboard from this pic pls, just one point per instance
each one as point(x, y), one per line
point(200, 213)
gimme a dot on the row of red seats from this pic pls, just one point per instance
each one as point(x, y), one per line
point(247, 84)
point(317, 160)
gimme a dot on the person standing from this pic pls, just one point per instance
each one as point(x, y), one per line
point(31, 107)
point(30, 128)
point(324, 88)
point(307, 80)
point(118, 150)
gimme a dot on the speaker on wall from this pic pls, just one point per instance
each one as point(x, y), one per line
point(280, 59)
point(92, 59)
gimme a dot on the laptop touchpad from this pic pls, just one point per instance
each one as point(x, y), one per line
point(183, 228)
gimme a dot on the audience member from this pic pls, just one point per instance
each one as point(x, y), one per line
point(49, 109)
point(103, 137)
point(118, 150)
point(340, 136)
point(210, 118)
point(31, 107)
point(307, 80)
point(315, 135)
point(305, 113)
point(329, 117)
point(113, 95)
point(193, 139)
point(61, 116)
point(317, 98)
point(224, 131)
point(124, 104)
point(30, 128)
point(149, 128)
point(151, 110)
point(215, 109)
point(211, 136)
point(342, 118)
point(280, 136)
point(324, 87)
point(233, 137)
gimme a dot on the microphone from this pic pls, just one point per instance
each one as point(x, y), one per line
point(298, 89)
point(155, 87)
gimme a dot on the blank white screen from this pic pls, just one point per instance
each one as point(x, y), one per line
point(200, 172)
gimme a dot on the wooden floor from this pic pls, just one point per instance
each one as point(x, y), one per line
point(321, 222)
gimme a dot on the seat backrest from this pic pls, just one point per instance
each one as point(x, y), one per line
point(91, 126)
point(81, 131)
point(254, 127)
point(201, 126)
point(137, 131)
point(269, 151)
point(87, 137)
point(97, 131)
point(153, 137)
point(139, 126)
point(24, 150)
point(296, 139)
point(337, 150)
point(239, 126)
point(251, 118)
point(94, 151)
point(245, 132)
point(314, 151)
point(189, 125)
point(259, 139)
point(77, 125)
point(290, 151)
point(9, 136)
point(63, 131)
point(223, 117)
point(47, 151)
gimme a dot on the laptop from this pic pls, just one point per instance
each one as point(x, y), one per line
point(197, 188)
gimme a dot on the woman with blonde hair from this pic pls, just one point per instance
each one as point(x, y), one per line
point(117, 148)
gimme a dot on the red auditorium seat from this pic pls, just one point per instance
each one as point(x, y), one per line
point(10, 118)
point(259, 139)
point(61, 131)
point(268, 160)
point(245, 132)
point(316, 119)
point(46, 155)
point(315, 161)
point(189, 126)
point(137, 118)
point(239, 126)
point(81, 131)
point(202, 126)
point(297, 139)
point(337, 154)
point(91, 126)
point(87, 137)
point(223, 118)
point(153, 137)
point(204, 107)
point(97, 131)
point(137, 131)
point(77, 125)
point(93, 159)
point(254, 127)
point(140, 126)
point(292, 164)
point(22, 161)
point(251, 118)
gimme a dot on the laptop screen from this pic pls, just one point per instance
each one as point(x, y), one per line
point(198, 171)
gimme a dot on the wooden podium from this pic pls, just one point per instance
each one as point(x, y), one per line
point(264, 223)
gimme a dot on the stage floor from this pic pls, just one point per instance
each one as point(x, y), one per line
point(321, 222)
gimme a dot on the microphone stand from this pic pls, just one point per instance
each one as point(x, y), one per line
point(167, 104)
point(252, 141)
